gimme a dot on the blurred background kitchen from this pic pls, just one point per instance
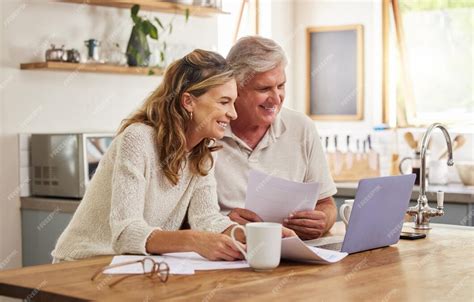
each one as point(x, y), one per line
point(373, 74)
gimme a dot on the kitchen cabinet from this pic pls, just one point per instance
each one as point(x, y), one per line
point(454, 213)
point(42, 222)
point(39, 231)
point(458, 201)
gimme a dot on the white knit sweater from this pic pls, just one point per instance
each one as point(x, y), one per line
point(129, 197)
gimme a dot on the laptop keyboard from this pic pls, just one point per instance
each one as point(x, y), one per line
point(325, 241)
point(332, 246)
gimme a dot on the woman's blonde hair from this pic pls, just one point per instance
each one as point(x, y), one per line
point(195, 73)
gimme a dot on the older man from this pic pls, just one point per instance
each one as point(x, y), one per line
point(270, 138)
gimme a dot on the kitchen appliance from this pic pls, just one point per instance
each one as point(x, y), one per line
point(62, 165)
point(57, 54)
point(92, 50)
point(73, 56)
point(415, 166)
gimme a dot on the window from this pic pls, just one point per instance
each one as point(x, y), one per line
point(242, 20)
point(428, 61)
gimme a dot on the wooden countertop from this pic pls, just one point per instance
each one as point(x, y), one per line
point(439, 267)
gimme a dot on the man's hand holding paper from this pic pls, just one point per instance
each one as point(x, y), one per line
point(308, 225)
point(274, 199)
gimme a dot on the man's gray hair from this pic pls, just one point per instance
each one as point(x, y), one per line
point(254, 54)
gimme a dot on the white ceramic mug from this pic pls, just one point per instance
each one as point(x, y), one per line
point(345, 210)
point(263, 240)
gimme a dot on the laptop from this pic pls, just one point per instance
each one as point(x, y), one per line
point(377, 215)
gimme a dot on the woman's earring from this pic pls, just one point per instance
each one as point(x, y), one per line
point(191, 116)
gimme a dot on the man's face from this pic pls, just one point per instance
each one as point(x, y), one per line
point(260, 100)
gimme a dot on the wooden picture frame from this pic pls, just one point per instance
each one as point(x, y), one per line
point(335, 72)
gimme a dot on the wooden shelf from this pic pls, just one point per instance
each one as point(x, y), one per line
point(101, 68)
point(154, 5)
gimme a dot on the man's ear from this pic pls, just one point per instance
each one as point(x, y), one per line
point(187, 101)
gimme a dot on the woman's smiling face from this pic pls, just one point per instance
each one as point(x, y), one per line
point(213, 111)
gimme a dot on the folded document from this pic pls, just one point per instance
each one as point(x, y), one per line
point(292, 248)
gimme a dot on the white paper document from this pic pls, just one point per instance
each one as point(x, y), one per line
point(273, 198)
point(293, 248)
point(200, 263)
point(179, 264)
point(176, 267)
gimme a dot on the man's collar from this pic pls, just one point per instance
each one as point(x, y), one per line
point(278, 126)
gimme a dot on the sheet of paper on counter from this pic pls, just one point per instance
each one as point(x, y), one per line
point(200, 263)
point(179, 264)
point(273, 198)
point(293, 248)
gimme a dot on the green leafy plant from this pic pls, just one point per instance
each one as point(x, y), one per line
point(138, 49)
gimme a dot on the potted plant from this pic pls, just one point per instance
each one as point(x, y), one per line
point(138, 49)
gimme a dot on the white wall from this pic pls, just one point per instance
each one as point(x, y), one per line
point(284, 32)
point(50, 101)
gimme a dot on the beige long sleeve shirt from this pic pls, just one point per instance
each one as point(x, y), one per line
point(129, 197)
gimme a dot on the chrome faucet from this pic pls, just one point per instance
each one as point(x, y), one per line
point(422, 211)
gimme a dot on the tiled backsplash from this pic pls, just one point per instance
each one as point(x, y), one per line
point(25, 163)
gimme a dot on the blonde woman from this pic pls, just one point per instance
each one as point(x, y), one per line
point(160, 167)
